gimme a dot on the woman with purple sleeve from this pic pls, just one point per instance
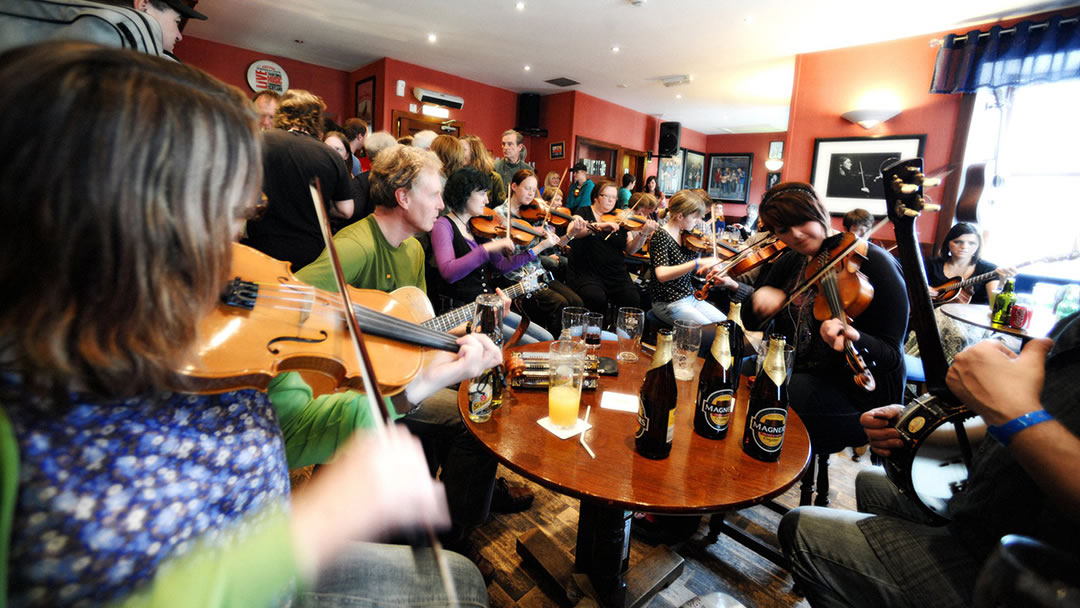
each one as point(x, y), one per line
point(467, 266)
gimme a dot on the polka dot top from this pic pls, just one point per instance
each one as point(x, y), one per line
point(111, 489)
point(664, 251)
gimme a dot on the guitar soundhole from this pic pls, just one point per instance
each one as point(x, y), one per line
point(270, 345)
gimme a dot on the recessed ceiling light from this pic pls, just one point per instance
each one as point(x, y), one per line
point(748, 19)
point(520, 6)
point(432, 38)
point(678, 96)
point(527, 68)
point(622, 85)
point(615, 49)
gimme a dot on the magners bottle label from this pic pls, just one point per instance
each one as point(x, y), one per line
point(767, 429)
point(717, 408)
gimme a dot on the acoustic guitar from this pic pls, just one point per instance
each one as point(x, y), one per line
point(960, 290)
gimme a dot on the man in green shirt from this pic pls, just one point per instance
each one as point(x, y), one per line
point(380, 252)
point(513, 160)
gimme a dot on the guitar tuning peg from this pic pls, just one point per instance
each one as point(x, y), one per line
point(908, 188)
point(910, 212)
point(932, 207)
point(930, 182)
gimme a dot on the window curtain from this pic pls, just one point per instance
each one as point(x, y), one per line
point(1005, 57)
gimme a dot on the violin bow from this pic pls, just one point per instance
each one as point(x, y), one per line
point(563, 176)
point(375, 402)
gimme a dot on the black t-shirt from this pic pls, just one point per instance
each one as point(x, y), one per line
point(289, 230)
point(593, 255)
point(935, 275)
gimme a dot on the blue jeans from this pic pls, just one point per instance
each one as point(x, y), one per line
point(535, 333)
point(688, 309)
point(831, 559)
point(370, 574)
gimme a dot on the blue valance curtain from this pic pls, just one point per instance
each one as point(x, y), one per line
point(1005, 57)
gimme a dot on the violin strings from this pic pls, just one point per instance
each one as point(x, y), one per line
point(393, 326)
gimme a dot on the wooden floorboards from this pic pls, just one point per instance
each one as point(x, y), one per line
point(722, 566)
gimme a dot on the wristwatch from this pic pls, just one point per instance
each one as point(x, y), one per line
point(1004, 432)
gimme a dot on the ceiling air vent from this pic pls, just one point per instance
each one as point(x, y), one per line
point(562, 82)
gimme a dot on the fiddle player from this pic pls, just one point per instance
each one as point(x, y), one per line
point(544, 307)
point(674, 263)
point(822, 389)
point(380, 252)
point(126, 488)
point(598, 270)
point(1022, 481)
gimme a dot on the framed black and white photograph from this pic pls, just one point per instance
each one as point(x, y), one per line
point(670, 173)
point(694, 170)
point(729, 177)
point(771, 179)
point(847, 171)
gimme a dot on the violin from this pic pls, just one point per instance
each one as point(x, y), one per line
point(269, 322)
point(556, 216)
point(744, 261)
point(703, 243)
point(845, 293)
point(489, 225)
point(625, 218)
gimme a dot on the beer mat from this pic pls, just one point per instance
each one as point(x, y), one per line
point(619, 401)
point(580, 427)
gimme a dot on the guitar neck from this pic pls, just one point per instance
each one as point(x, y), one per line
point(464, 314)
point(990, 276)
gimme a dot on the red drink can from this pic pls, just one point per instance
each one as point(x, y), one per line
point(1019, 317)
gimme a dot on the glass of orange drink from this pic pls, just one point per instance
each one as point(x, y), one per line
point(567, 368)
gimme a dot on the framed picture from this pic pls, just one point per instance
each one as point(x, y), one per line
point(670, 173)
point(557, 150)
point(693, 170)
point(729, 177)
point(771, 179)
point(365, 101)
point(847, 171)
point(776, 149)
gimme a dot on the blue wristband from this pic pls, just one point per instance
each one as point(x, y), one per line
point(1004, 432)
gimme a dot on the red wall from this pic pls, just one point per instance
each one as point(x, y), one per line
point(230, 64)
point(752, 143)
point(487, 112)
point(830, 83)
point(557, 116)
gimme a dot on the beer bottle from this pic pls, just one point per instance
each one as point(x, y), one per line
point(718, 382)
point(735, 314)
point(766, 414)
point(1003, 303)
point(659, 394)
point(486, 390)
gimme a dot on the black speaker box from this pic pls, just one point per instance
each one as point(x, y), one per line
point(528, 112)
point(669, 138)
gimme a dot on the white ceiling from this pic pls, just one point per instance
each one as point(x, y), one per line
point(740, 54)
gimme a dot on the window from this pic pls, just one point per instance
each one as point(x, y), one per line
point(1030, 207)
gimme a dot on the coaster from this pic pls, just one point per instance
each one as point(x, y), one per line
point(580, 427)
point(622, 402)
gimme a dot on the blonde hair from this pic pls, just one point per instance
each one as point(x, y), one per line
point(480, 158)
point(399, 167)
point(449, 151)
point(301, 110)
point(685, 203)
point(138, 227)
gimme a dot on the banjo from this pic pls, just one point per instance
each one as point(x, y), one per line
point(926, 469)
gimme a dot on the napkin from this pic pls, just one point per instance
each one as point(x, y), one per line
point(580, 427)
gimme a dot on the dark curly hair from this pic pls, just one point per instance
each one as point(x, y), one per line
point(460, 186)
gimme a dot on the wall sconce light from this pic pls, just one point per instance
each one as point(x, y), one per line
point(868, 119)
point(776, 156)
point(774, 164)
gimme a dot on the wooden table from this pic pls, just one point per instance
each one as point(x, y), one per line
point(700, 476)
point(979, 316)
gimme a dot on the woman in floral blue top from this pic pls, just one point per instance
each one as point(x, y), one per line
point(129, 490)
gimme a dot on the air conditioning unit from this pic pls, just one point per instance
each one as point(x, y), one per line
point(439, 99)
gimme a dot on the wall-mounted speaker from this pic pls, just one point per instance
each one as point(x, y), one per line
point(669, 138)
point(528, 114)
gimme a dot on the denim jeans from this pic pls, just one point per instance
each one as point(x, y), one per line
point(535, 333)
point(689, 309)
point(831, 559)
point(370, 574)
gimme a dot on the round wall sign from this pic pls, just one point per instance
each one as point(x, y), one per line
point(265, 75)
